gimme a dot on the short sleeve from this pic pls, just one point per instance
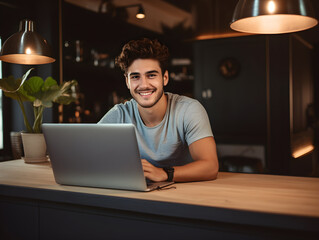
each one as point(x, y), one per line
point(196, 123)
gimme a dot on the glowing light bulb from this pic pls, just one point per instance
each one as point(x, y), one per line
point(140, 15)
point(271, 7)
point(28, 51)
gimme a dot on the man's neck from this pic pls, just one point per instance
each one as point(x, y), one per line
point(154, 115)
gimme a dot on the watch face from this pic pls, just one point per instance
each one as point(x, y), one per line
point(229, 67)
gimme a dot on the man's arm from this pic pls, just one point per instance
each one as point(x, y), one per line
point(204, 167)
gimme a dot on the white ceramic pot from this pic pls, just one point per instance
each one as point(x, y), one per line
point(34, 147)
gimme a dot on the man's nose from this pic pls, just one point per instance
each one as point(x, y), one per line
point(144, 81)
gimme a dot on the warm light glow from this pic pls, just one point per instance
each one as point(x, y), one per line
point(60, 108)
point(140, 15)
point(27, 59)
point(271, 7)
point(28, 51)
point(221, 35)
point(274, 24)
point(302, 151)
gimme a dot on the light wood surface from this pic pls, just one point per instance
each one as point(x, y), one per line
point(297, 196)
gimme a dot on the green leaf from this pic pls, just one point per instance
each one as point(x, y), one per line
point(48, 83)
point(47, 104)
point(11, 84)
point(66, 96)
point(13, 95)
point(33, 86)
point(24, 96)
point(66, 86)
point(24, 77)
point(42, 103)
point(65, 99)
point(50, 95)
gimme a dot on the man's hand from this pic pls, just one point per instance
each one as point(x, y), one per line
point(153, 173)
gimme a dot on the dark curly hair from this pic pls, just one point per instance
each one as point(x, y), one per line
point(143, 49)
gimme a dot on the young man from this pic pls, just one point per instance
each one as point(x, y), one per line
point(173, 132)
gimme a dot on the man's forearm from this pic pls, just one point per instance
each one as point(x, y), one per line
point(200, 170)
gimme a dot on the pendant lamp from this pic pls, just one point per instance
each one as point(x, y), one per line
point(140, 13)
point(273, 16)
point(26, 47)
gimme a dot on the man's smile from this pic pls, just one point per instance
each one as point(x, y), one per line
point(146, 93)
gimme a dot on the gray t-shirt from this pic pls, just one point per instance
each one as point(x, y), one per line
point(166, 144)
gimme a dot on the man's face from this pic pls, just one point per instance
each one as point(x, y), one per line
point(146, 81)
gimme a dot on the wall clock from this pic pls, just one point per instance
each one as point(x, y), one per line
point(229, 67)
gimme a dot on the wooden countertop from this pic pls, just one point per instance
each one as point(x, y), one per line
point(234, 194)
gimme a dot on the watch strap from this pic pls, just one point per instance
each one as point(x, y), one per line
point(170, 173)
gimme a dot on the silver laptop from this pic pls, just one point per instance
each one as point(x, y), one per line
point(97, 155)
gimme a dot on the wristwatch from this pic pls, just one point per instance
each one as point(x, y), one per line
point(170, 173)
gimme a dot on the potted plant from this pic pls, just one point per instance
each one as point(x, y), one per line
point(42, 94)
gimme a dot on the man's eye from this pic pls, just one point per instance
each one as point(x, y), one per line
point(134, 77)
point(152, 75)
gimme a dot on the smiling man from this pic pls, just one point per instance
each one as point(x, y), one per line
point(173, 132)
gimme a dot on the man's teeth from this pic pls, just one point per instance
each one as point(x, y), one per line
point(145, 93)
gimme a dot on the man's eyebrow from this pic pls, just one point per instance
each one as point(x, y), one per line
point(152, 71)
point(148, 72)
point(134, 73)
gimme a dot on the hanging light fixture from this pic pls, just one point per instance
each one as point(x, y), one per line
point(26, 47)
point(273, 16)
point(140, 13)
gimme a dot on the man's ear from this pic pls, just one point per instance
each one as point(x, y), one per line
point(126, 81)
point(166, 78)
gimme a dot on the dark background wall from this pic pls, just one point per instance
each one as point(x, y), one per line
point(239, 98)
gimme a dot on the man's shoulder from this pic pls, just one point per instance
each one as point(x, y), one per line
point(186, 108)
point(181, 100)
point(119, 113)
point(126, 106)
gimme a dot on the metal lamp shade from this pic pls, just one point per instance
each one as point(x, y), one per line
point(26, 47)
point(273, 16)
